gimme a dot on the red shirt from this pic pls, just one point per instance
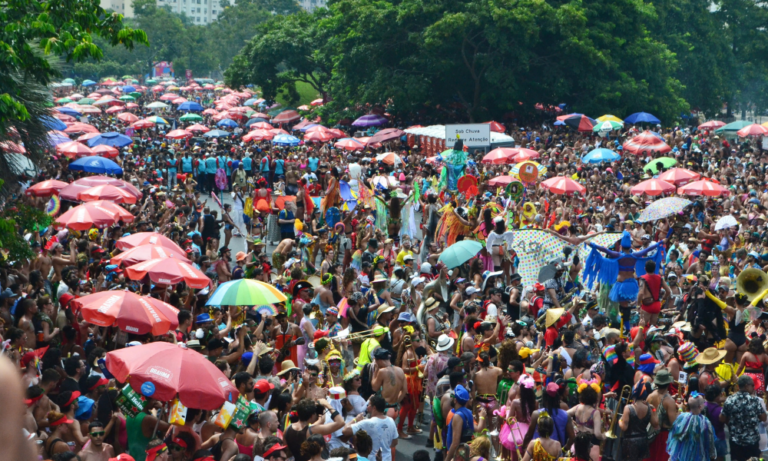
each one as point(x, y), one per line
point(552, 332)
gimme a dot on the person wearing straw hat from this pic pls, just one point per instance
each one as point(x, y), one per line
point(710, 358)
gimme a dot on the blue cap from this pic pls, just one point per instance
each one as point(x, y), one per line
point(203, 318)
point(246, 358)
point(193, 233)
point(461, 394)
point(406, 317)
point(84, 407)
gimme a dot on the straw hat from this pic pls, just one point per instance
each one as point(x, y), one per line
point(379, 278)
point(553, 315)
point(710, 356)
point(431, 303)
point(287, 366)
point(383, 309)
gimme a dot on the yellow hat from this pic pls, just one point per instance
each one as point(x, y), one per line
point(298, 225)
point(553, 315)
point(561, 225)
point(525, 352)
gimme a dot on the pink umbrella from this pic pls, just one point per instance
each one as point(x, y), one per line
point(501, 180)
point(85, 137)
point(93, 181)
point(286, 117)
point(74, 149)
point(679, 176)
point(259, 135)
point(500, 155)
point(703, 187)
point(143, 123)
point(563, 185)
point(652, 187)
point(349, 144)
point(46, 188)
point(122, 214)
point(147, 238)
point(524, 154)
point(260, 115)
point(127, 118)
point(130, 312)
point(131, 105)
point(86, 216)
point(197, 128)
point(318, 136)
point(107, 192)
point(146, 252)
point(104, 150)
point(261, 126)
point(178, 101)
point(79, 127)
point(168, 271)
point(277, 131)
point(210, 112)
point(115, 110)
point(711, 125)
point(169, 97)
point(752, 130)
point(179, 134)
point(317, 102)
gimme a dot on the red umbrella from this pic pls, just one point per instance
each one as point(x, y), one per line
point(158, 88)
point(93, 181)
point(385, 135)
point(260, 115)
point(197, 128)
point(277, 131)
point(679, 176)
point(130, 312)
point(74, 149)
point(496, 126)
point(652, 187)
point(318, 136)
point(711, 125)
point(12, 147)
point(169, 97)
point(127, 117)
point(179, 134)
point(79, 127)
point(261, 126)
point(143, 123)
point(703, 187)
point(122, 214)
point(502, 180)
point(317, 102)
point(752, 130)
point(168, 271)
point(131, 105)
point(174, 371)
point(563, 185)
point(286, 116)
point(258, 135)
point(646, 143)
point(178, 101)
point(107, 192)
point(147, 238)
point(105, 151)
point(579, 122)
point(86, 216)
point(46, 188)
point(115, 110)
point(70, 192)
point(524, 154)
point(349, 144)
point(146, 252)
point(87, 136)
point(500, 155)
point(338, 133)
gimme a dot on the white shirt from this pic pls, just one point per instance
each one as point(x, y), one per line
point(493, 311)
point(382, 431)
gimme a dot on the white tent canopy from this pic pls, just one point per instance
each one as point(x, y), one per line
point(438, 131)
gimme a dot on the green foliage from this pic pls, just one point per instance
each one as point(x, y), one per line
point(14, 223)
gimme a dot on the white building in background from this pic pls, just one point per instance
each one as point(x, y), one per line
point(310, 5)
point(199, 12)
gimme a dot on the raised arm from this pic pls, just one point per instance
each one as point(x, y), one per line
point(611, 253)
point(642, 253)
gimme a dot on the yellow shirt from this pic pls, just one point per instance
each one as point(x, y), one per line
point(401, 256)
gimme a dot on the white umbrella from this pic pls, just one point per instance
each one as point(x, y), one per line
point(157, 105)
point(385, 181)
point(725, 222)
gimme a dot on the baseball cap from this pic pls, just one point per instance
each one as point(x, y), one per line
point(263, 386)
point(471, 290)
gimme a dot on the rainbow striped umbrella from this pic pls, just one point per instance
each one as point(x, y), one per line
point(245, 292)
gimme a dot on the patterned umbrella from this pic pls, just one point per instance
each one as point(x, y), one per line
point(646, 143)
point(662, 208)
point(542, 169)
point(245, 292)
point(607, 126)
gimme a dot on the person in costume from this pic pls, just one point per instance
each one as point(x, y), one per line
point(618, 269)
point(409, 362)
point(692, 435)
point(528, 216)
point(498, 243)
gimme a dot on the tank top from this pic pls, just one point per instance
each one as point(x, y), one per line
point(560, 419)
point(137, 442)
point(294, 438)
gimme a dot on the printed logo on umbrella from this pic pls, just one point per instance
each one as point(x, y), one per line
point(161, 372)
point(111, 301)
point(151, 311)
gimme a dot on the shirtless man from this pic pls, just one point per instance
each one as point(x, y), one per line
point(389, 381)
point(280, 255)
point(59, 261)
point(97, 450)
point(223, 270)
point(486, 380)
point(43, 263)
point(29, 307)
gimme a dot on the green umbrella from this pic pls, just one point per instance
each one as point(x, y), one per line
point(133, 80)
point(64, 101)
point(86, 101)
point(666, 162)
point(151, 81)
point(191, 118)
point(127, 97)
point(69, 80)
point(733, 126)
point(135, 94)
point(124, 77)
point(460, 252)
point(607, 126)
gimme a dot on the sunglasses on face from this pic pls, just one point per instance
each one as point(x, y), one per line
point(314, 375)
point(177, 448)
point(98, 434)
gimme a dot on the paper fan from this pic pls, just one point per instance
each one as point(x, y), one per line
point(53, 206)
point(465, 185)
point(267, 309)
point(515, 190)
point(280, 201)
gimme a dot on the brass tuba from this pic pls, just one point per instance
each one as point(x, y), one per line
point(751, 283)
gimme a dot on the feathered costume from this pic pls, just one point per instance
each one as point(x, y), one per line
point(450, 227)
point(691, 437)
point(332, 196)
point(605, 269)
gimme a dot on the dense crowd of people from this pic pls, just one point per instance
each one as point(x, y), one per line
point(651, 348)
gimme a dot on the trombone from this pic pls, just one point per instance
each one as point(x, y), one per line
point(512, 420)
point(345, 335)
point(611, 435)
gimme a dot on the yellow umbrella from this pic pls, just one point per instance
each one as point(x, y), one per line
point(609, 118)
point(765, 124)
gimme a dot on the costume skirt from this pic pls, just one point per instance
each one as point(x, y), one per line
point(624, 291)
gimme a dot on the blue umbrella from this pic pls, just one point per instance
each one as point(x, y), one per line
point(96, 164)
point(370, 120)
point(641, 117)
point(559, 123)
point(216, 134)
point(286, 139)
point(190, 106)
point(255, 120)
point(88, 83)
point(128, 89)
point(251, 102)
point(110, 139)
point(601, 155)
point(68, 111)
point(53, 123)
point(227, 122)
point(55, 139)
